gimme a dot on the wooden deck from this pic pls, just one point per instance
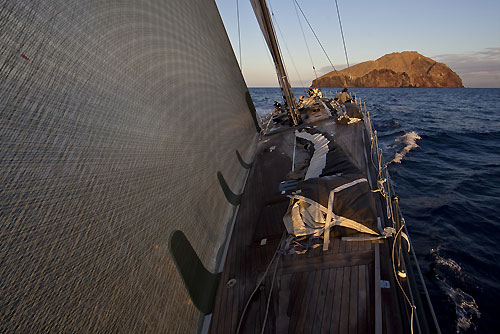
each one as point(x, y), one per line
point(316, 292)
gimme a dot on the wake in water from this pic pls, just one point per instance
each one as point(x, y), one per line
point(410, 141)
point(466, 309)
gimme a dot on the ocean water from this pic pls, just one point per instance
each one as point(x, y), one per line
point(443, 150)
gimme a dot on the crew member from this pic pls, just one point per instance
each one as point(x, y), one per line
point(310, 91)
point(343, 96)
point(277, 107)
point(317, 93)
point(300, 101)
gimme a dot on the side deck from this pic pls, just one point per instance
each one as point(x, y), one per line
point(334, 291)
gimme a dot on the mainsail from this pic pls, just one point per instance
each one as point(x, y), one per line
point(116, 120)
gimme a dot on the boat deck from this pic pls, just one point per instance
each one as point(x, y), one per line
point(334, 291)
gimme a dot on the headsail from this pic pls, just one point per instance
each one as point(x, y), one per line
point(116, 119)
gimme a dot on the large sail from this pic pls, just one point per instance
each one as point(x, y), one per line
point(118, 121)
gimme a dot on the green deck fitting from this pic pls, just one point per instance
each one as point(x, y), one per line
point(234, 199)
point(200, 283)
point(252, 110)
point(242, 162)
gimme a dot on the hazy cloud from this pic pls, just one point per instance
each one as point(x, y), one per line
point(477, 69)
point(328, 69)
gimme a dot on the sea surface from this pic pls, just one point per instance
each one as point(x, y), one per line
point(443, 150)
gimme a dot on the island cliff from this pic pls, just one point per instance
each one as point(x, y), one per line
point(398, 69)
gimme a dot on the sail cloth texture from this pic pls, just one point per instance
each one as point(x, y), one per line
point(115, 118)
point(353, 205)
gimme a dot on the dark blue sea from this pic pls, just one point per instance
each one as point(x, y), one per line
point(443, 150)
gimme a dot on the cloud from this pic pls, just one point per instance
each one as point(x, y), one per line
point(328, 69)
point(477, 69)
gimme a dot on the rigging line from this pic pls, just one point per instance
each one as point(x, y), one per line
point(415, 260)
point(239, 31)
point(305, 39)
point(269, 57)
point(412, 306)
point(270, 294)
point(286, 45)
point(260, 282)
point(342, 33)
point(343, 41)
point(436, 324)
point(268, 53)
point(319, 42)
point(289, 53)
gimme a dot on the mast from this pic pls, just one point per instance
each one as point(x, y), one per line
point(264, 18)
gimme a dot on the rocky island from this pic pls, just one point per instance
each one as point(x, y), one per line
point(398, 69)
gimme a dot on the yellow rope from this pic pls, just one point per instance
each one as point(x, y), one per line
point(413, 307)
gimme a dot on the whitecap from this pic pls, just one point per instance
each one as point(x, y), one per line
point(466, 308)
point(410, 141)
point(449, 263)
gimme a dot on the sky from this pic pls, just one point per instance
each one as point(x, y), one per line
point(465, 35)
